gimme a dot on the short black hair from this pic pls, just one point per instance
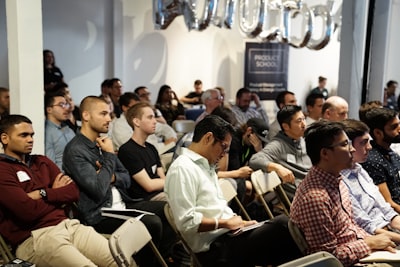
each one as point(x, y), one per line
point(126, 98)
point(214, 124)
point(139, 88)
point(319, 135)
point(310, 100)
point(10, 120)
point(280, 98)
point(286, 114)
point(390, 83)
point(377, 118)
point(49, 98)
point(242, 91)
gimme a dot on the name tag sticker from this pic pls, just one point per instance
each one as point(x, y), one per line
point(291, 158)
point(154, 168)
point(23, 176)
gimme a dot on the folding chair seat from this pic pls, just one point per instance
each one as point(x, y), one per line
point(318, 259)
point(269, 182)
point(231, 194)
point(128, 239)
point(170, 217)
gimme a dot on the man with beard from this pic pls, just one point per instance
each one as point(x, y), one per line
point(383, 164)
point(242, 109)
point(103, 181)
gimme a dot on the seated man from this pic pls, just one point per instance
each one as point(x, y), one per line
point(121, 131)
point(57, 132)
point(103, 181)
point(284, 98)
point(286, 154)
point(383, 164)
point(314, 103)
point(370, 210)
point(321, 207)
point(242, 109)
point(33, 192)
point(335, 108)
point(194, 97)
point(201, 212)
point(141, 158)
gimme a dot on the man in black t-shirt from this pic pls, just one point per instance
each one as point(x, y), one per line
point(141, 158)
point(194, 98)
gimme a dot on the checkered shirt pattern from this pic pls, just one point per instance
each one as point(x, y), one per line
point(322, 210)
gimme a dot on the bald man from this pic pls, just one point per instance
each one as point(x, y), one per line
point(335, 108)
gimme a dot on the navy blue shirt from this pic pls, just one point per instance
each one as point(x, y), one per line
point(383, 165)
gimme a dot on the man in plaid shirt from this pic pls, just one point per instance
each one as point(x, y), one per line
point(321, 207)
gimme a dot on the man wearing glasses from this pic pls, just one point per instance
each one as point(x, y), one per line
point(321, 207)
point(201, 212)
point(57, 132)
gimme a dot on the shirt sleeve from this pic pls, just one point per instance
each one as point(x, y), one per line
point(181, 185)
point(270, 153)
point(90, 179)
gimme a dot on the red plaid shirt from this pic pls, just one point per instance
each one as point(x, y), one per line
point(322, 210)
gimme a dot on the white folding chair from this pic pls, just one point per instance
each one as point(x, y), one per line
point(231, 194)
point(183, 126)
point(269, 182)
point(128, 239)
point(318, 259)
point(170, 218)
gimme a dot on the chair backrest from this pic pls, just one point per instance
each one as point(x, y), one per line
point(318, 259)
point(183, 126)
point(193, 113)
point(230, 193)
point(227, 189)
point(298, 237)
point(5, 251)
point(270, 182)
point(265, 182)
point(128, 239)
point(170, 218)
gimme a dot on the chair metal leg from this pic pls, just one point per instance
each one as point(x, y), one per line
point(267, 209)
point(242, 209)
point(5, 251)
point(157, 253)
point(280, 192)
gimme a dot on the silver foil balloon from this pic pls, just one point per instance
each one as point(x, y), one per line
point(327, 28)
point(306, 27)
point(164, 12)
point(273, 22)
point(251, 17)
point(210, 8)
point(224, 16)
point(188, 8)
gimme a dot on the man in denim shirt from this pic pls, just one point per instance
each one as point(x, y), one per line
point(383, 165)
point(102, 180)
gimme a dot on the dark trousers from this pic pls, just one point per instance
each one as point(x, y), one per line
point(270, 244)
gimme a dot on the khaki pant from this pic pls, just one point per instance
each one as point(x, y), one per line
point(67, 244)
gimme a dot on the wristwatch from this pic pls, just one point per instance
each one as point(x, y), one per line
point(43, 193)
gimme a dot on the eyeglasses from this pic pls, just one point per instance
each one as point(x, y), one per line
point(62, 105)
point(224, 146)
point(345, 143)
point(218, 98)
